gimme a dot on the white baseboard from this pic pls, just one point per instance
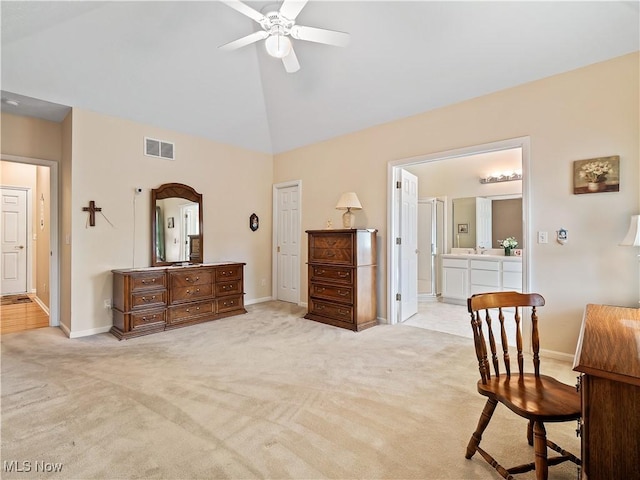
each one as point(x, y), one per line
point(44, 308)
point(303, 304)
point(86, 333)
point(382, 321)
point(258, 300)
point(564, 357)
point(65, 330)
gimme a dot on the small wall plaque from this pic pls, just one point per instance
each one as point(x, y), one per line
point(254, 222)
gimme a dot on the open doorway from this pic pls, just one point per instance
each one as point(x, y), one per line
point(450, 177)
point(35, 302)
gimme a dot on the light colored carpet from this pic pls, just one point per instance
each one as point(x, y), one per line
point(263, 395)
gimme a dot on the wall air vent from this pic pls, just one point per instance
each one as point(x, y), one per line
point(159, 148)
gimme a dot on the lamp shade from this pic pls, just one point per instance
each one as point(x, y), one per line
point(633, 235)
point(348, 201)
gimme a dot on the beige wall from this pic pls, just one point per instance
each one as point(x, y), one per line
point(31, 137)
point(581, 114)
point(108, 163)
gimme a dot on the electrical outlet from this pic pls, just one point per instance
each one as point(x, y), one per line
point(263, 282)
point(543, 237)
point(107, 303)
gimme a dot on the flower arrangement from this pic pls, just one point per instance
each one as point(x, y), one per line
point(595, 172)
point(509, 242)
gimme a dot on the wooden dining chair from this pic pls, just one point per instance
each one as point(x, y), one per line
point(537, 398)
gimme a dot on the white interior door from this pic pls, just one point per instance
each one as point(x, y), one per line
point(14, 241)
point(408, 245)
point(483, 223)
point(288, 244)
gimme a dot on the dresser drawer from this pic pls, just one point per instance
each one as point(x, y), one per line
point(146, 281)
point(147, 319)
point(228, 288)
point(344, 313)
point(195, 292)
point(148, 299)
point(192, 277)
point(185, 313)
point(331, 255)
point(229, 304)
point(332, 292)
point(230, 272)
point(332, 240)
point(332, 274)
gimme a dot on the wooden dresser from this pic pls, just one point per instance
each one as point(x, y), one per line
point(150, 300)
point(608, 356)
point(342, 278)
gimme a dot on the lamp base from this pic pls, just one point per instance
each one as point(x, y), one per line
point(347, 219)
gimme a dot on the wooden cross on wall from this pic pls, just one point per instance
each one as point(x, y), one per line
point(92, 209)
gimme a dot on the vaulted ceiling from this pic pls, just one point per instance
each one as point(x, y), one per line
point(158, 62)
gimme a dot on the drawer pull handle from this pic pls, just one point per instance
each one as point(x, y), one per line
point(144, 282)
point(188, 310)
point(343, 274)
point(144, 319)
point(146, 299)
point(319, 272)
point(189, 292)
point(331, 254)
point(320, 307)
point(343, 312)
point(320, 289)
point(343, 293)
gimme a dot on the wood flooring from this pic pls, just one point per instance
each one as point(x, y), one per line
point(22, 316)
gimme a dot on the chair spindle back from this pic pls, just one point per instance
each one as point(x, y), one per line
point(479, 307)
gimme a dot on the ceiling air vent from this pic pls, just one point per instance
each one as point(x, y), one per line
point(159, 148)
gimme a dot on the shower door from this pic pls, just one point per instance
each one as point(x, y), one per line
point(430, 246)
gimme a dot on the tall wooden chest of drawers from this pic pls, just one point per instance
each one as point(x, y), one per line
point(150, 300)
point(342, 278)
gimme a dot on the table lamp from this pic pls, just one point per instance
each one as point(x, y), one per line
point(347, 202)
point(633, 235)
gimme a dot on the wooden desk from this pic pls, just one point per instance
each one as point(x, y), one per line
point(608, 356)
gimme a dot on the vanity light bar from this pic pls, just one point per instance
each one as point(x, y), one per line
point(502, 177)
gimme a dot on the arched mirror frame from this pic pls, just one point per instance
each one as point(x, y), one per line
point(174, 190)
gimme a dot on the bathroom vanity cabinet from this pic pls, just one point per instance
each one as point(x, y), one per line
point(466, 275)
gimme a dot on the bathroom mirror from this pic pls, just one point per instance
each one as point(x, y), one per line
point(176, 225)
point(482, 221)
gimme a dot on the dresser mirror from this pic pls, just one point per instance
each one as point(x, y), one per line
point(176, 225)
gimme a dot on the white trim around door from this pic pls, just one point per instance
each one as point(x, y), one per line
point(54, 266)
point(394, 168)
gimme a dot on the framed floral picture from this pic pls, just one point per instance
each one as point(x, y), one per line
point(596, 175)
point(463, 228)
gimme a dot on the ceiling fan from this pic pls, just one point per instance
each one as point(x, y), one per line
point(277, 27)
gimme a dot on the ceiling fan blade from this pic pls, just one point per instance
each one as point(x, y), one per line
point(320, 35)
point(238, 6)
point(244, 41)
point(291, 8)
point(290, 62)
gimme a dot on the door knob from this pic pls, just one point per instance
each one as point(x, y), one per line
point(19, 247)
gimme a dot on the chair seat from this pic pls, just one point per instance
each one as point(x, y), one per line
point(542, 399)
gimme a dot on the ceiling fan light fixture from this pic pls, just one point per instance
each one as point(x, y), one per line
point(278, 46)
